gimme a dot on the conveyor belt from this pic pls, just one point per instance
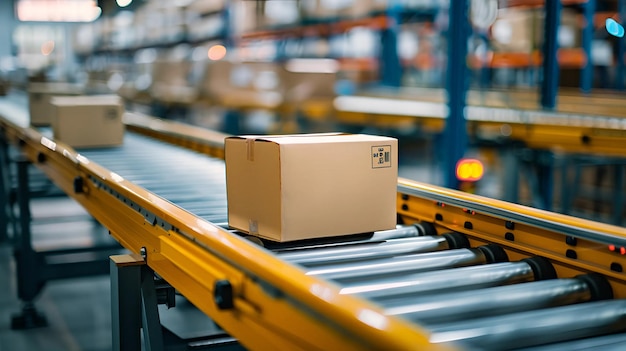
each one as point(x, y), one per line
point(281, 305)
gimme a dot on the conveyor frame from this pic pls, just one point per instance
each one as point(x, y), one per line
point(273, 302)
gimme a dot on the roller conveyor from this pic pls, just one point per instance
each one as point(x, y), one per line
point(278, 295)
point(199, 186)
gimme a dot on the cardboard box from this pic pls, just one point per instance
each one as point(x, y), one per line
point(295, 187)
point(39, 95)
point(244, 85)
point(515, 31)
point(88, 121)
point(324, 9)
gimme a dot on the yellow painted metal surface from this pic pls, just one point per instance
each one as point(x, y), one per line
point(528, 239)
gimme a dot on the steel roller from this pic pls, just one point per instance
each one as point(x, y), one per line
point(524, 329)
point(366, 251)
point(456, 279)
point(613, 342)
point(465, 305)
point(359, 271)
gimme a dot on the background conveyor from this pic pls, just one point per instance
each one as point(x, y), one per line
point(423, 290)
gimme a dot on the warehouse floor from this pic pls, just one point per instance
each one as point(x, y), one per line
point(78, 310)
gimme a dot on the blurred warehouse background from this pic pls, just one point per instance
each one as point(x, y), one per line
point(518, 100)
point(542, 81)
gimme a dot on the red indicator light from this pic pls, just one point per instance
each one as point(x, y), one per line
point(611, 247)
point(469, 170)
point(622, 250)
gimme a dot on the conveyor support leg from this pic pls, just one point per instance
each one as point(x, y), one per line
point(28, 282)
point(126, 301)
point(618, 200)
point(4, 191)
point(134, 305)
point(511, 162)
point(545, 174)
point(566, 186)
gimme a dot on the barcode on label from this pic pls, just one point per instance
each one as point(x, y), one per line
point(381, 156)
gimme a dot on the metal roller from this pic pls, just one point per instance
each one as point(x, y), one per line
point(613, 342)
point(409, 231)
point(457, 306)
point(136, 161)
point(359, 271)
point(366, 251)
point(400, 232)
point(533, 328)
point(456, 279)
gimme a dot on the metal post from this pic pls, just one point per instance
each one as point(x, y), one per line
point(511, 161)
point(455, 132)
point(586, 79)
point(152, 333)
point(126, 302)
point(390, 66)
point(621, 49)
point(566, 188)
point(545, 177)
point(27, 261)
point(4, 191)
point(231, 123)
point(618, 200)
point(8, 20)
point(550, 81)
point(227, 29)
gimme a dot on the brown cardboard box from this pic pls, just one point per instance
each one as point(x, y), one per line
point(170, 84)
point(88, 121)
point(245, 84)
point(515, 30)
point(39, 95)
point(321, 9)
point(295, 187)
point(570, 29)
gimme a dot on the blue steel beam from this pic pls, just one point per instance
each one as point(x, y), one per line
point(390, 66)
point(586, 79)
point(455, 132)
point(621, 48)
point(550, 81)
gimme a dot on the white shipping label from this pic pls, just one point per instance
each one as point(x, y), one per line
point(381, 156)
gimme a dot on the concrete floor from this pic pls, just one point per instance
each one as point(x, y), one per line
point(78, 310)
